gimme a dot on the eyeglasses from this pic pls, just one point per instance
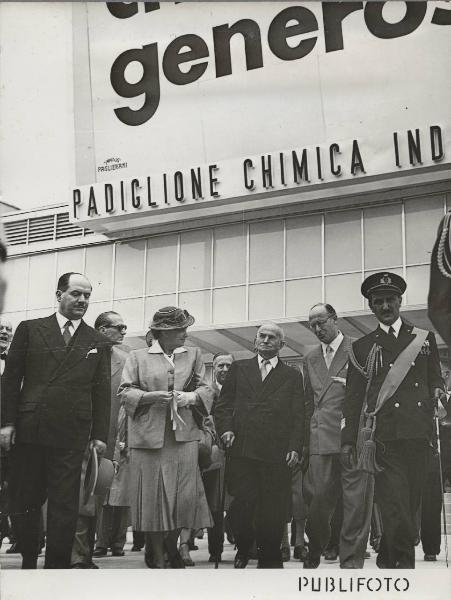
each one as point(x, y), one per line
point(318, 323)
point(118, 327)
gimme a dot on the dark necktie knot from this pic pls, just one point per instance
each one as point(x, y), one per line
point(391, 331)
point(3, 356)
point(67, 336)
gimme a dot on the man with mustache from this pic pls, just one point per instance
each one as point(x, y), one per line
point(393, 383)
point(56, 392)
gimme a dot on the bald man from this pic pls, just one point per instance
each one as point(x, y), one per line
point(260, 418)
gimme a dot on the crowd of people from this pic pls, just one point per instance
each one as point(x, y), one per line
point(343, 450)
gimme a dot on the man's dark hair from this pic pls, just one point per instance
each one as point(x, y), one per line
point(104, 319)
point(222, 354)
point(329, 309)
point(63, 281)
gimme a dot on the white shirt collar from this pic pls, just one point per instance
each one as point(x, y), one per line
point(272, 361)
point(218, 385)
point(334, 344)
point(396, 326)
point(62, 320)
point(157, 349)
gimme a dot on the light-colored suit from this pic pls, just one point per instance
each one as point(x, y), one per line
point(324, 403)
point(324, 398)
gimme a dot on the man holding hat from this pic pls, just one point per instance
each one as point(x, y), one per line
point(393, 383)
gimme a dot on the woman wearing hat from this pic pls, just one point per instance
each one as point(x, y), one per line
point(160, 386)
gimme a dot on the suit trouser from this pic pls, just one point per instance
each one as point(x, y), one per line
point(322, 490)
point(83, 544)
point(358, 496)
point(398, 492)
point(335, 526)
point(431, 507)
point(212, 486)
point(261, 493)
point(112, 525)
point(39, 473)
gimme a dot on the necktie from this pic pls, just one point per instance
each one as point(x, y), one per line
point(265, 367)
point(329, 356)
point(391, 331)
point(67, 336)
point(3, 356)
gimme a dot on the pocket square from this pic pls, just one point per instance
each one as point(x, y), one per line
point(92, 351)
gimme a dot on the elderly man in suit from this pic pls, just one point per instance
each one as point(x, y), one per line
point(325, 370)
point(57, 396)
point(260, 417)
point(394, 379)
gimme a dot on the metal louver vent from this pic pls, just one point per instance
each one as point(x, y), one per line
point(66, 229)
point(16, 232)
point(41, 229)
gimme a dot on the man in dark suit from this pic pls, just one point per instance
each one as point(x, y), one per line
point(260, 417)
point(57, 398)
point(399, 367)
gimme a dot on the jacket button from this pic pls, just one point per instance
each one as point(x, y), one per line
point(397, 404)
point(419, 403)
point(416, 384)
point(171, 371)
point(390, 365)
point(413, 364)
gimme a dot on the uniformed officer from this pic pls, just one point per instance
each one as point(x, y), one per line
point(393, 382)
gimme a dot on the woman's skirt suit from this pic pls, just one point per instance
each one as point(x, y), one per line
point(166, 490)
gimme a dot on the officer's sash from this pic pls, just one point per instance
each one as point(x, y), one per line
point(394, 378)
point(399, 370)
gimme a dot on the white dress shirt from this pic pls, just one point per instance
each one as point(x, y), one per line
point(396, 326)
point(62, 320)
point(334, 345)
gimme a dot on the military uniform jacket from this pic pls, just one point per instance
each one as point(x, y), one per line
point(324, 398)
point(408, 414)
point(57, 395)
point(266, 417)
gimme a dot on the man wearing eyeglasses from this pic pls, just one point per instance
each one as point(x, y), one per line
point(325, 370)
point(111, 519)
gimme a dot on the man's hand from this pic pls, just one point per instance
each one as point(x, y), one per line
point(116, 467)
point(98, 445)
point(348, 457)
point(228, 438)
point(304, 462)
point(292, 459)
point(7, 436)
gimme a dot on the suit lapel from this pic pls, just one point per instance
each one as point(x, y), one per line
point(340, 357)
point(274, 377)
point(318, 363)
point(51, 333)
point(83, 342)
point(116, 360)
point(253, 374)
point(395, 345)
